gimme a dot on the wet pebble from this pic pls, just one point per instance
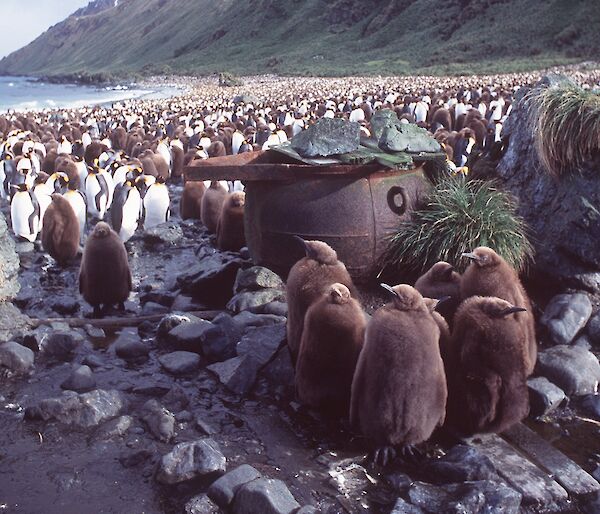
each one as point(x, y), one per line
point(201, 504)
point(95, 332)
point(170, 321)
point(461, 463)
point(60, 346)
point(16, 357)
point(128, 346)
point(115, 428)
point(191, 460)
point(80, 380)
point(237, 374)
point(152, 308)
point(93, 361)
point(180, 363)
point(65, 305)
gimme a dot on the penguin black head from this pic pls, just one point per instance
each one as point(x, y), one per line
point(22, 188)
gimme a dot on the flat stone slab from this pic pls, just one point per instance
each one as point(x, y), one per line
point(180, 363)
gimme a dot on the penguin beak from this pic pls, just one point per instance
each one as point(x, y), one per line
point(512, 310)
point(307, 249)
point(471, 256)
point(441, 301)
point(390, 290)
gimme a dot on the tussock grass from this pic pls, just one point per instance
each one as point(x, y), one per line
point(459, 216)
point(566, 122)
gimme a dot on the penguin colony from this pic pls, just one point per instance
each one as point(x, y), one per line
point(405, 373)
point(467, 367)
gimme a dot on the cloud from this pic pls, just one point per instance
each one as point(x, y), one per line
point(19, 25)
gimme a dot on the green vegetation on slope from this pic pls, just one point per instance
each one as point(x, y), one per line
point(316, 37)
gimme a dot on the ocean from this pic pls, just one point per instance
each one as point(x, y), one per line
point(26, 94)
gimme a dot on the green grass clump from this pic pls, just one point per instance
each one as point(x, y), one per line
point(566, 121)
point(459, 215)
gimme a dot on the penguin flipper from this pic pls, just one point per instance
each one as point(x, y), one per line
point(35, 214)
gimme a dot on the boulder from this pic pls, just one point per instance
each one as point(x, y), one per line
point(566, 315)
point(277, 308)
point(160, 421)
point(80, 380)
point(170, 321)
point(255, 278)
point(593, 329)
point(461, 464)
point(403, 507)
point(262, 343)
point(12, 322)
point(223, 490)
point(280, 371)
point(188, 336)
point(544, 396)
point(82, 410)
point(252, 300)
point(564, 210)
point(329, 136)
point(190, 460)
point(201, 504)
point(166, 233)
point(480, 496)
point(573, 368)
point(9, 264)
point(591, 404)
point(180, 363)
point(60, 346)
point(264, 496)
point(115, 428)
point(237, 374)
point(16, 358)
point(129, 346)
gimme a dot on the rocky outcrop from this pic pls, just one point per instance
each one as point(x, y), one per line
point(9, 264)
point(562, 213)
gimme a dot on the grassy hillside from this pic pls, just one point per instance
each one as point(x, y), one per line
point(316, 37)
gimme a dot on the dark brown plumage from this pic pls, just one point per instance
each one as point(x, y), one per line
point(488, 381)
point(104, 276)
point(230, 227)
point(212, 204)
point(60, 232)
point(93, 151)
point(308, 279)
point(490, 275)
point(162, 167)
point(177, 165)
point(332, 337)
point(119, 139)
point(399, 389)
point(442, 116)
point(439, 281)
point(191, 200)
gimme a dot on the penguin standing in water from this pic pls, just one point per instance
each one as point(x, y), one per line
point(97, 193)
point(25, 213)
point(125, 211)
point(77, 201)
point(156, 204)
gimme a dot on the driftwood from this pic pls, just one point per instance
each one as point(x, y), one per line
point(117, 322)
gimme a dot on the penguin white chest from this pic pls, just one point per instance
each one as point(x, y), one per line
point(156, 205)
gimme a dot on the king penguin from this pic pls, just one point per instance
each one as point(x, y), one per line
point(25, 213)
point(125, 211)
point(156, 204)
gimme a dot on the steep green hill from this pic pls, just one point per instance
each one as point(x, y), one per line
point(317, 37)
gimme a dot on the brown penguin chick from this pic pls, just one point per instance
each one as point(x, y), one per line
point(490, 275)
point(148, 164)
point(119, 139)
point(191, 200)
point(439, 281)
point(399, 389)
point(212, 204)
point(216, 149)
point(162, 167)
point(104, 276)
point(93, 151)
point(308, 279)
point(332, 337)
point(48, 162)
point(177, 165)
point(60, 231)
point(488, 380)
point(230, 227)
point(66, 164)
point(433, 305)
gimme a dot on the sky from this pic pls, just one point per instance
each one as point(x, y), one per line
point(21, 21)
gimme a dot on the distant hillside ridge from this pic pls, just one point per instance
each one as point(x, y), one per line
point(313, 37)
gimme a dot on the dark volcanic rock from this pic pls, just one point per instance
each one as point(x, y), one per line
point(262, 343)
point(65, 305)
point(280, 371)
point(462, 463)
point(237, 374)
point(544, 396)
point(327, 137)
point(566, 315)
point(152, 308)
point(188, 336)
point(565, 210)
point(211, 282)
point(266, 496)
point(134, 458)
point(277, 308)
point(481, 496)
point(115, 428)
point(168, 233)
point(573, 368)
point(16, 358)
point(83, 410)
point(180, 363)
point(593, 328)
point(591, 404)
point(12, 322)
point(129, 346)
point(9, 263)
point(255, 278)
point(223, 490)
point(160, 421)
point(187, 461)
point(248, 319)
point(59, 345)
point(217, 344)
point(80, 380)
point(201, 504)
point(170, 321)
point(252, 300)
point(403, 507)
